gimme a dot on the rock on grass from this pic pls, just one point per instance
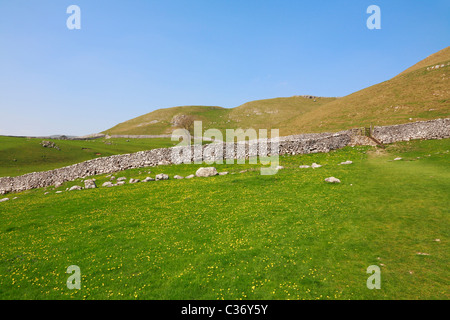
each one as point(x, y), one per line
point(161, 176)
point(206, 172)
point(90, 184)
point(332, 180)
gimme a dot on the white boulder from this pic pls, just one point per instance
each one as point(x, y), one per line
point(206, 172)
point(332, 180)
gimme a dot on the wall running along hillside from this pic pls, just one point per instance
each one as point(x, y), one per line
point(290, 145)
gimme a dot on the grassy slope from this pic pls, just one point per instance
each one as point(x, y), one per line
point(144, 125)
point(272, 113)
point(416, 93)
point(287, 236)
point(432, 60)
point(21, 155)
point(264, 114)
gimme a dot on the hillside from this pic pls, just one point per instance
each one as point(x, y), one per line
point(415, 94)
point(269, 113)
point(432, 60)
point(418, 93)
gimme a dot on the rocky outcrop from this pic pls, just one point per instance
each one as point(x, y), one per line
point(49, 144)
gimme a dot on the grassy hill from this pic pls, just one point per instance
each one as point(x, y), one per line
point(262, 114)
point(158, 121)
point(415, 94)
point(432, 60)
point(243, 235)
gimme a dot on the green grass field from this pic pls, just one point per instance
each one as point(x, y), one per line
point(243, 235)
point(22, 155)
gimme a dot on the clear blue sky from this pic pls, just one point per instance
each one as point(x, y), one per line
point(132, 57)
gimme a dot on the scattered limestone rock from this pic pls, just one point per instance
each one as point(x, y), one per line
point(75, 188)
point(112, 178)
point(315, 165)
point(58, 192)
point(206, 172)
point(332, 180)
point(178, 177)
point(90, 184)
point(423, 254)
point(120, 183)
point(243, 171)
point(4, 199)
point(304, 167)
point(397, 159)
point(190, 176)
point(121, 179)
point(45, 193)
point(437, 240)
point(222, 173)
point(58, 184)
point(161, 176)
point(49, 144)
point(107, 184)
point(347, 162)
point(134, 180)
point(279, 168)
point(148, 179)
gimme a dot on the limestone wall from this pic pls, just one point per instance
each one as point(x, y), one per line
point(290, 145)
point(432, 129)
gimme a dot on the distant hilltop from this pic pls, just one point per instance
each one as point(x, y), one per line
point(419, 93)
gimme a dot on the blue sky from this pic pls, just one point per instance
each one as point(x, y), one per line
point(132, 57)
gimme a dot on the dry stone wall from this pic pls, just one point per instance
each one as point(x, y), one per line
point(290, 145)
point(432, 129)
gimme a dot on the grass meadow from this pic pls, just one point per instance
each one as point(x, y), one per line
point(242, 235)
point(24, 155)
